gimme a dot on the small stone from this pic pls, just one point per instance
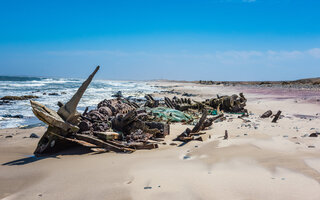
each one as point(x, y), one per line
point(311, 146)
point(9, 136)
point(245, 134)
point(186, 157)
point(33, 135)
point(173, 144)
point(285, 136)
point(147, 188)
point(314, 134)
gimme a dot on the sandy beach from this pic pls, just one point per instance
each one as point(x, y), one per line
point(259, 160)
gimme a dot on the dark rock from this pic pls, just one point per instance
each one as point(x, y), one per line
point(266, 114)
point(9, 136)
point(118, 94)
point(18, 98)
point(33, 135)
point(314, 134)
point(53, 94)
point(5, 102)
point(63, 93)
point(188, 95)
point(13, 116)
point(186, 157)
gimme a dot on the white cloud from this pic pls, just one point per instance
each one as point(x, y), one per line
point(315, 52)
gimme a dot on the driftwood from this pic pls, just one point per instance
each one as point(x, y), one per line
point(141, 145)
point(276, 117)
point(107, 135)
point(103, 144)
point(199, 126)
point(244, 120)
point(208, 122)
point(226, 135)
point(188, 136)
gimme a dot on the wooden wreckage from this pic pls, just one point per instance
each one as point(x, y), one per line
point(121, 125)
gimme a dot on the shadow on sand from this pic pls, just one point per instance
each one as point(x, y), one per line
point(79, 150)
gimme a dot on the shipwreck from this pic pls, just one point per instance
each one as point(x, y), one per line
point(123, 125)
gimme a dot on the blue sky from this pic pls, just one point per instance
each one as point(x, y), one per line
point(160, 39)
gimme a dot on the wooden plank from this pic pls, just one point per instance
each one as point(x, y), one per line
point(103, 144)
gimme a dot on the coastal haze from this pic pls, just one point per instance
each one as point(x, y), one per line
point(212, 99)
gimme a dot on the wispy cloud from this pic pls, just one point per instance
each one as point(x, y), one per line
point(231, 54)
point(315, 52)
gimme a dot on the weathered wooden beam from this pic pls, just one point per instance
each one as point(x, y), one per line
point(103, 144)
point(141, 145)
point(276, 117)
point(226, 135)
point(199, 125)
point(68, 112)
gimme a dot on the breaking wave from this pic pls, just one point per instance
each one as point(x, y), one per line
point(60, 89)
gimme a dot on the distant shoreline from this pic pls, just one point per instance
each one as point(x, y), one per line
point(309, 83)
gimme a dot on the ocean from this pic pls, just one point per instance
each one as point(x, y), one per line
point(97, 91)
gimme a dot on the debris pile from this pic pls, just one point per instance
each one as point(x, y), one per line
point(268, 114)
point(123, 125)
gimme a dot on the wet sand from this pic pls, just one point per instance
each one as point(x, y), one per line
point(260, 160)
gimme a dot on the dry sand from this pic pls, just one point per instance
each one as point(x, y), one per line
point(260, 160)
